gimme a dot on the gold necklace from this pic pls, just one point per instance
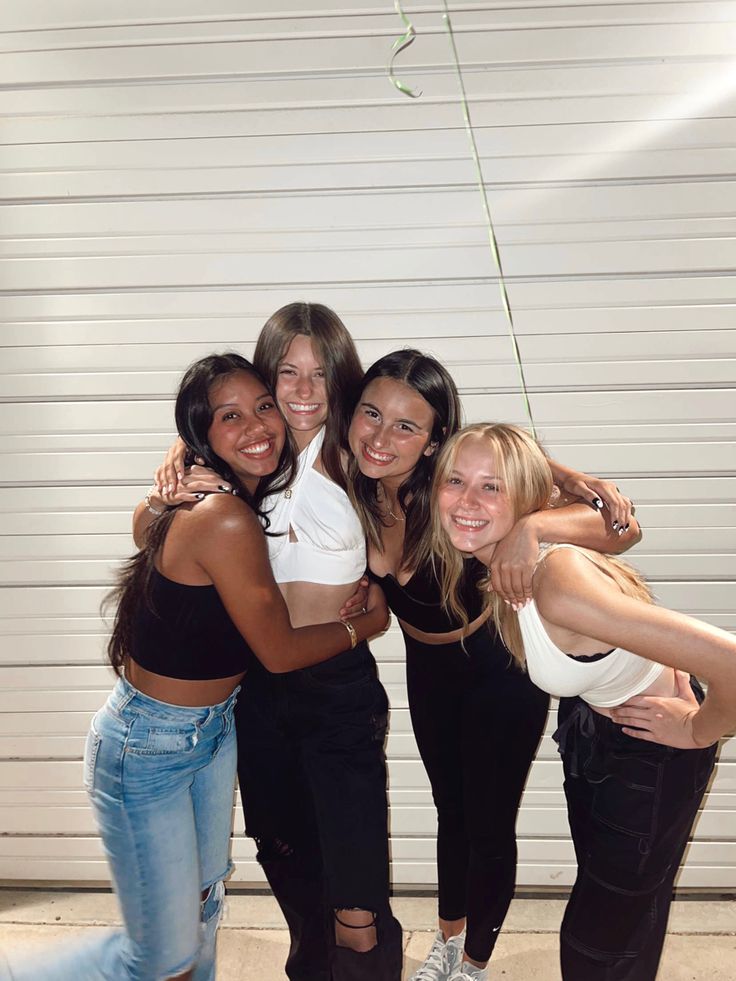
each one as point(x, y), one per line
point(390, 513)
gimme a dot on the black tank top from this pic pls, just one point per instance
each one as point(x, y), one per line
point(419, 601)
point(187, 634)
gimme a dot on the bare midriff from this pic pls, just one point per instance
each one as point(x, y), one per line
point(178, 691)
point(310, 602)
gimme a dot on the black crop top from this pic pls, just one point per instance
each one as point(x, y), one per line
point(419, 601)
point(188, 633)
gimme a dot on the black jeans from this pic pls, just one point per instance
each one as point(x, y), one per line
point(477, 720)
point(631, 806)
point(312, 774)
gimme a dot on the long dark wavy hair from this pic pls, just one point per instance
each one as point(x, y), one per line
point(335, 350)
point(434, 383)
point(193, 420)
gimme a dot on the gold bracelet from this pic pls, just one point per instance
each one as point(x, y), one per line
point(150, 507)
point(351, 630)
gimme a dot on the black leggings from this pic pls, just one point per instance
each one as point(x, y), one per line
point(477, 720)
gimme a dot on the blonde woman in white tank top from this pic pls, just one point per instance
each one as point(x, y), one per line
point(637, 737)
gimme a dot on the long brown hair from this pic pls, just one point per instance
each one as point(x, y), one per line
point(193, 419)
point(335, 350)
point(428, 378)
point(523, 467)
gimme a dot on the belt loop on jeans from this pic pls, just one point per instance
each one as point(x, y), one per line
point(579, 724)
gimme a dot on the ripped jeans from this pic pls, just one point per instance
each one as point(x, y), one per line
point(631, 806)
point(161, 781)
point(312, 776)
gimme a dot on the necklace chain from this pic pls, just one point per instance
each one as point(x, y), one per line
point(389, 512)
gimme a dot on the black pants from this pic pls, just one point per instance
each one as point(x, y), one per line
point(477, 720)
point(631, 806)
point(312, 774)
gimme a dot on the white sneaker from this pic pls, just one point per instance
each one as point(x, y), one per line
point(469, 972)
point(442, 959)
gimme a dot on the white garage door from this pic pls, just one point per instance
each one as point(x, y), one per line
point(172, 172)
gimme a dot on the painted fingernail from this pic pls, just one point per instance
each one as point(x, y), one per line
point(620, 532)
point(223, 488)
point(597, 503)
point(200, 497)
point(180, 475)
point(626, 527)
point(169, 488)
point(615, 525)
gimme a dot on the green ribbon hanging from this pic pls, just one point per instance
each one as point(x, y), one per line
point(399, 45)
point(493, 242)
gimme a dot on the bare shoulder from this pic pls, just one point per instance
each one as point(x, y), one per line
point(566, 574)
point(225, 514)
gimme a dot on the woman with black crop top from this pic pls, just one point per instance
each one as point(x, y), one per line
point(311, 760)
point(476, 718)
point(194, 608)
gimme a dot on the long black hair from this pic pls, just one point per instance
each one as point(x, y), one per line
point(193, 416)
point(428, 378)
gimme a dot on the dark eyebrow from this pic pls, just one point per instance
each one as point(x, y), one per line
point(290, 364)
point(409, 422)
point(227, 405)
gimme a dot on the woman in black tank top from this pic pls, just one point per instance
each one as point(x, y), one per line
point(476, 718)
point(194, 607)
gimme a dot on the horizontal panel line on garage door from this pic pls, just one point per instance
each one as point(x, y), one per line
point(186, 286)
point(166, 382)
point(366, 189)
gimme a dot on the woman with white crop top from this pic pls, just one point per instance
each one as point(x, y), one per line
point(637, 737)
point(311, 762)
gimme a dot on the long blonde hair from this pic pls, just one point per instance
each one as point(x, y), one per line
point(522, 465)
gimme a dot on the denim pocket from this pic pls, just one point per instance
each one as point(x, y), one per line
point(91, 748)
point(147, 740)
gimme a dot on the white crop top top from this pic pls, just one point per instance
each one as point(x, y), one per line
point(329, 545)
point(603, 683)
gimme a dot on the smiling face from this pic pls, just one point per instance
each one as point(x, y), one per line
point(390, 430)
point(472, 502)
point(301, 390)
point(247, 430)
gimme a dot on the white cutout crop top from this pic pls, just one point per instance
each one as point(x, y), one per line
point(604, 683)
point(330, 544)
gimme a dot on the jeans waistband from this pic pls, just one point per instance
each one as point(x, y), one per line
point(125, 695)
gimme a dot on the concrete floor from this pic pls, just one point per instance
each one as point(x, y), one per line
point(253, 944)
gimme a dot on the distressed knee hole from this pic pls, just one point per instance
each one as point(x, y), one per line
point(356, 928)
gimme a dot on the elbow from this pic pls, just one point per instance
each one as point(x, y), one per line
point(271, 664)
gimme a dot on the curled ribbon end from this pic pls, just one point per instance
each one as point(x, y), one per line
point(399, 44)
point(404, 89)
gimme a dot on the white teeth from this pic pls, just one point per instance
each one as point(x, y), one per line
point(301, 407)
point(379, 457)
point(469, 522)
point(256, 448)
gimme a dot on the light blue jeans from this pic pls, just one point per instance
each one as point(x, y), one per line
point(161, 780)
